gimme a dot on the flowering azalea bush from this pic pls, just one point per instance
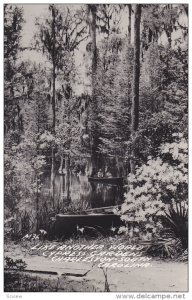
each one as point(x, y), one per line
point(156, 186)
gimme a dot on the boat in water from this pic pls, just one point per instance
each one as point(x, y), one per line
point(107, 180)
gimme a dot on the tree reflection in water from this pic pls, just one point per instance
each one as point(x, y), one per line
point(80, 189)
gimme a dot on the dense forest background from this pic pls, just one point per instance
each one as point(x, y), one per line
point(130, 117)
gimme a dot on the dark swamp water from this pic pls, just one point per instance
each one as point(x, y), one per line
point(80, 192)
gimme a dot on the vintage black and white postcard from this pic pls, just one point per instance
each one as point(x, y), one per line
point(96, 148)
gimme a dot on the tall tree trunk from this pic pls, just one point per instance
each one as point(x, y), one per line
point(93, 10)
point(61, 165)
point(67, 177)
point(168, 33)
point(53, 110)
point(94, 47)
point(135, 87)
point(129, 25)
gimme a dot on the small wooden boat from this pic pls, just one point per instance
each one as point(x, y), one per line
point(107, 180)
point(104, 209)
point(68, 224)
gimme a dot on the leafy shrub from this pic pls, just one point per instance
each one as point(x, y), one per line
point(163, 247)
point(22, 177)
point(17, 264)
point(21, 223)
point(184, 256)
point(158, 187)
point(177, 221)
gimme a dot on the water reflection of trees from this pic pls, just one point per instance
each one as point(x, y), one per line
point(77, 188)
